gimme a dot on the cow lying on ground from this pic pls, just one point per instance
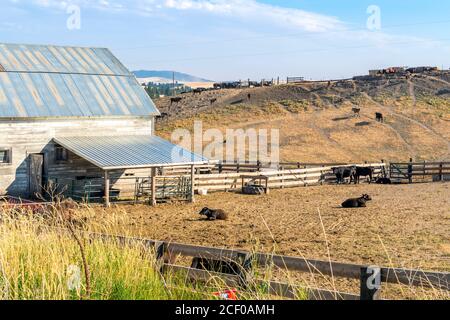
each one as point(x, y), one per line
point(357, 202)
point(363, 172)
point(384, 181)
point(342, 173)
point(212, 214)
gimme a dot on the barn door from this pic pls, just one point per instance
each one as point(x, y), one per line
point(36, 174)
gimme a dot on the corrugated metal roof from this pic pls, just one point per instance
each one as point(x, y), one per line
point(128, 152)
point(50, 81)
point(40, 58)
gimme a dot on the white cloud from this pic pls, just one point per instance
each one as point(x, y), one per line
point(241, 9)
point(251, 9)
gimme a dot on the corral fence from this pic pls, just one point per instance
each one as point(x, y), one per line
point(175, 183)
point(419, 171)
point(295, 79)
point(129, 189)
point(283, 175)
point(371, 278)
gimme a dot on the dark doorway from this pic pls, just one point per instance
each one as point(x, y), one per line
point(36, 166)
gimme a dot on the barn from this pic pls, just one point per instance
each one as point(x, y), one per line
point(71, 117)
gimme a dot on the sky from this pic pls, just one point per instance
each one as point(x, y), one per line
point(225, 40)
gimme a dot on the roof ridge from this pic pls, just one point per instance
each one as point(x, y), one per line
point(51, 45)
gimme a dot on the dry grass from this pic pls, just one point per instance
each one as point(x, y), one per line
point(40, 259)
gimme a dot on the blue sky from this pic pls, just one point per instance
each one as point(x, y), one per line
point(239, 39)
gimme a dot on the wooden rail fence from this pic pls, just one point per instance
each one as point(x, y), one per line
point(168, 251)
point(413, 171)
point(278, 177)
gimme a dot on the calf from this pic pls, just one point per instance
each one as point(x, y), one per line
point(212, 214)
point(363, 172)
point(212, 101)
point(357, 202)
point(342, 173)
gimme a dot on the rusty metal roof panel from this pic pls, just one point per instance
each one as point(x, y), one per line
point(127, 152)
point(50, 81)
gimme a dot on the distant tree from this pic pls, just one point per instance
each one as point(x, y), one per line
point(156, 90)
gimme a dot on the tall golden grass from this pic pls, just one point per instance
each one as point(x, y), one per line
point(49, 256)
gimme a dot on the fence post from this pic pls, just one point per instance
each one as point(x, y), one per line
point(192, 196)
point(410, 170)
point(107, 202)
point(441, 169)
point(370, 283)
point(153, 199)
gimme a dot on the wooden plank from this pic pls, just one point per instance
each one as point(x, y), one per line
point(413, 277)
point(203, 275)
point(294, 292)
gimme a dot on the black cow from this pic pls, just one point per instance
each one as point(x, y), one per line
point(357, 202)
point(379, 116)
point(175, 100)
point(213, 214)
point(342, 173)
point(384, 181)
point(363, 172)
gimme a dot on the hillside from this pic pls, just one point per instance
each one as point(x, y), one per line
point(316, 121)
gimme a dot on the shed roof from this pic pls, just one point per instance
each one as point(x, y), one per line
point(49, 81)
point(129, 152)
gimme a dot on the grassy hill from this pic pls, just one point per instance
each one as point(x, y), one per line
point(316, 121)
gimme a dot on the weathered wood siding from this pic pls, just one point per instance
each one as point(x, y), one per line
point(35, 136)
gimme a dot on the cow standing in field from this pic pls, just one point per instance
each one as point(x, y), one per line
point(175, 100)
point(342, 173)
point(356, 112)
point(363, 172)
point(212, 101)
point(379, 116)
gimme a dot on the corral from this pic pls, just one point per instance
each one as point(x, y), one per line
point(404, 226)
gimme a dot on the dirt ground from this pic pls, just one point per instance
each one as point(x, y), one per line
point(404, 226)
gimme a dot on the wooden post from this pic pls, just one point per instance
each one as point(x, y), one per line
point(192, 197)
point(370, 283)
point(107, 201)
point(153, 199)
point(441, 169)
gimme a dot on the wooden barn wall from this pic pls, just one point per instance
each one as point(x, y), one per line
point(28, 137)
